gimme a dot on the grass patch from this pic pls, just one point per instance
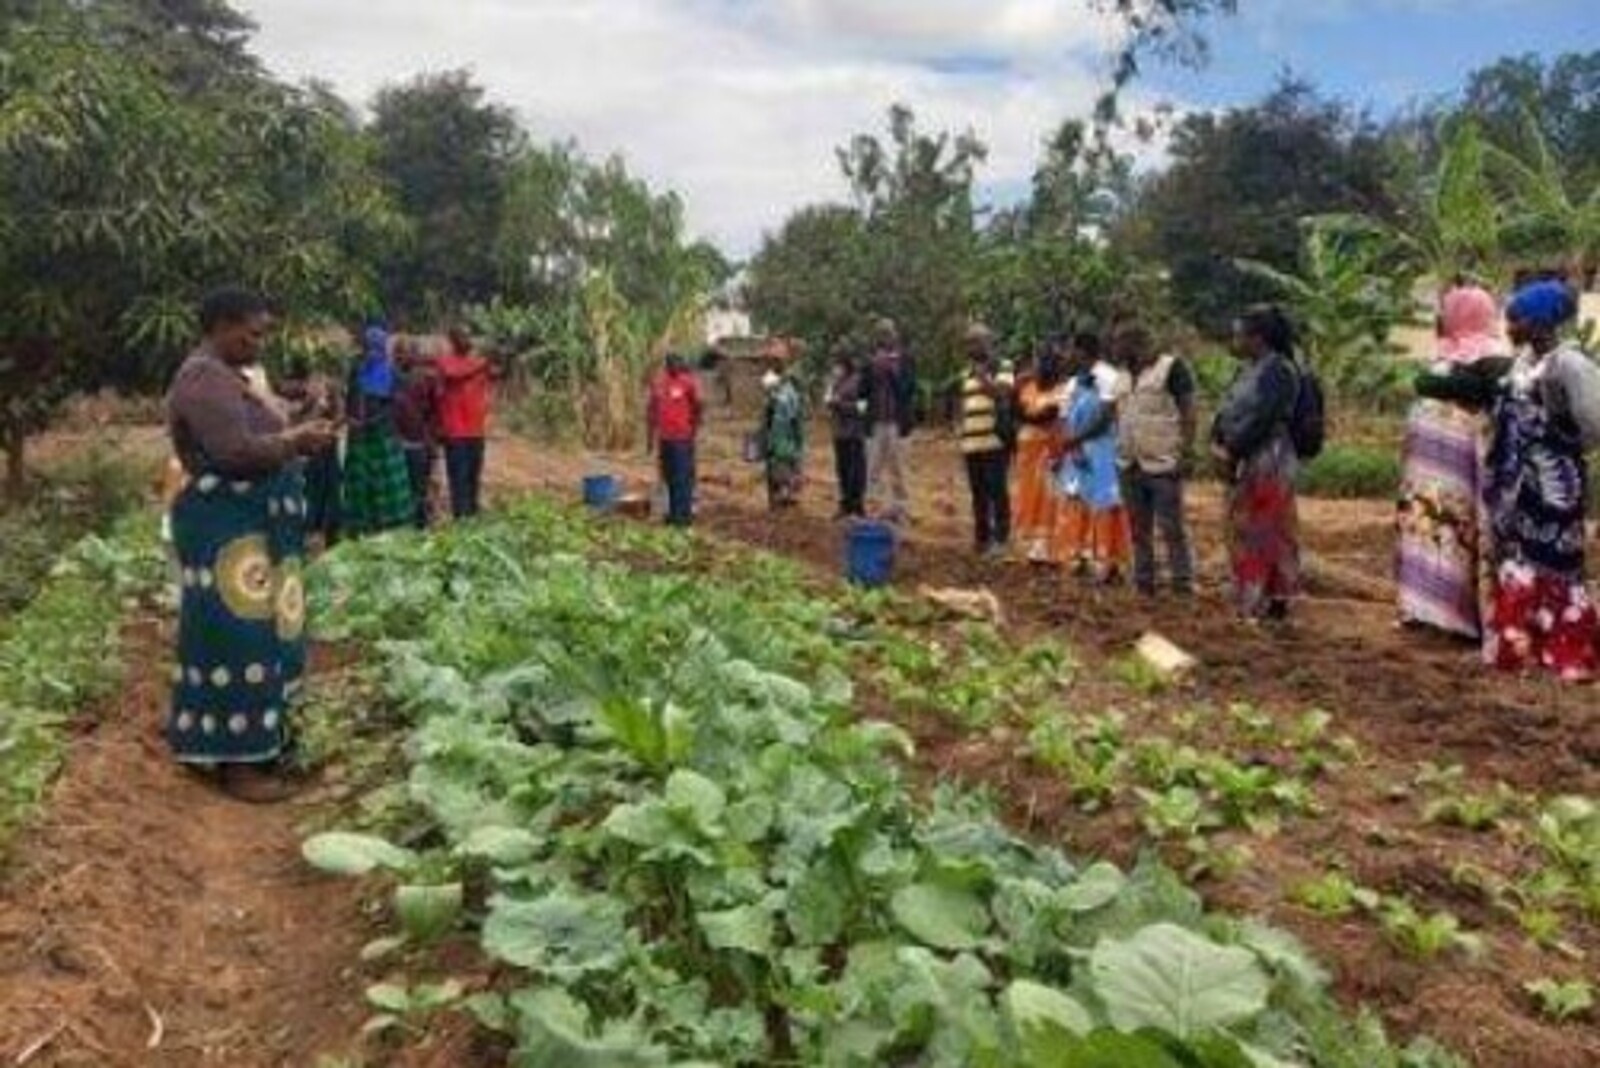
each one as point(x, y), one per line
point(1352, 472)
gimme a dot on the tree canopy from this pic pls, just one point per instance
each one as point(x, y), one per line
point(1238, 185)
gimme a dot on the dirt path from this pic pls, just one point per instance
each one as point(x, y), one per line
point(150, 920)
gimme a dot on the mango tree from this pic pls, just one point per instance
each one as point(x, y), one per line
point(123, 198)
point(96, 183)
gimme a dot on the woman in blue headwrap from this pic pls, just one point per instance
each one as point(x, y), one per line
point(377, 484)
point(1546, 414)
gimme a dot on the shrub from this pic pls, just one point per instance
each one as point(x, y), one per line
point(85, 494)
point(1348, 472)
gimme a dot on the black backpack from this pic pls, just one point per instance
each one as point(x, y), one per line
point(1308, 422)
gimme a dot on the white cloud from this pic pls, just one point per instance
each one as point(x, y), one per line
point(737, 104)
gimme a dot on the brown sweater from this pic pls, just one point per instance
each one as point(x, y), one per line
point(219, 425)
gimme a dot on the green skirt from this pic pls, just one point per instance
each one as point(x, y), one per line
point(377, 483)
point(241, 617)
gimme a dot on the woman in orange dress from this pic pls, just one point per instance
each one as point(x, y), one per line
point(1040, 401)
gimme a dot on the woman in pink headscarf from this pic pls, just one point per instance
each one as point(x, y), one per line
point(1441, 518)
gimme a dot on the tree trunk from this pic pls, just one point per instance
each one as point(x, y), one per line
point(16, 445)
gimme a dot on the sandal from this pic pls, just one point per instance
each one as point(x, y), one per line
point(257, 784)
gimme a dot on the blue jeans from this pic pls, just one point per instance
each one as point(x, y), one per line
point(677, 471)
point(463, 466)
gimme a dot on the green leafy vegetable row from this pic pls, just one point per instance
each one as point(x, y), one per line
point(57, 656)
point(649, 798)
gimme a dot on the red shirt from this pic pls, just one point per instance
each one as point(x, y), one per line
point(675, 406)
point(464, 399)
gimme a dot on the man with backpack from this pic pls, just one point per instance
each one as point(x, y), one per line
point(988, 434)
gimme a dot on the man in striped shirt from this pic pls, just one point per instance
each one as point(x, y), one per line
point(985, 397)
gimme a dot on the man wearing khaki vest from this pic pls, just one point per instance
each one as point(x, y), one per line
point(1157, 428)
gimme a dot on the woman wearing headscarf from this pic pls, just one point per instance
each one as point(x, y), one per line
point(783, 436)
point(1252, 445)
point(1041, 399)
point(1440, 520)
point(377, 484)
point(1546, 416)
point(238, 532)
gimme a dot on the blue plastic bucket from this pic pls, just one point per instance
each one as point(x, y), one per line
point(869, 554)
point(600, 492)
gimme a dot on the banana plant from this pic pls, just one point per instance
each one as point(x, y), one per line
point(1543, 217)
point(1352, 291)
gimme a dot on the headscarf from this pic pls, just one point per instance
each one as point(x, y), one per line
point(1547, 304)
point(1469, 325)
point(377, 375)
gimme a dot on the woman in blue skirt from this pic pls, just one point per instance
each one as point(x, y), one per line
point(238, 529)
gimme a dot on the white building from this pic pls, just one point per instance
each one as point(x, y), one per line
point(724, 323)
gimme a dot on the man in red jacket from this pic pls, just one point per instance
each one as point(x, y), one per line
point(464, 379)
point(674, 415)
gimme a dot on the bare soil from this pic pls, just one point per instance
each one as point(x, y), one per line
point(151, 920)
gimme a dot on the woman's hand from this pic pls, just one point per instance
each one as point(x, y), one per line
point(318, 435)
point(1223, 462)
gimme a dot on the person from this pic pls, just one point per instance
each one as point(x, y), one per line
point(313, 398)
point(890, 385)
point(1092, 528)
point(675, 414)
point(465, 382)
point(1254, 450)
point(416, 422)
point(238, 529)
point(1157, 426)
point(1440, 518)
point(783, 436)
point(847, 414)
point(1546, 416)
point(1041, 399)
point(716, 363)
point(983, 390)
point(377, 486)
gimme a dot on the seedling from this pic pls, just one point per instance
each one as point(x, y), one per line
point(409, 1008)
point(1425, 936)
point(1474, 812)
point(1334, 894)
point(1176, 813)
point(1310, 729)
point(1562, 1001)
point(1255, 726)
point(1138, 674)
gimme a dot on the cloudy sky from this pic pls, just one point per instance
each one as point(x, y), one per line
point(738, 104)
